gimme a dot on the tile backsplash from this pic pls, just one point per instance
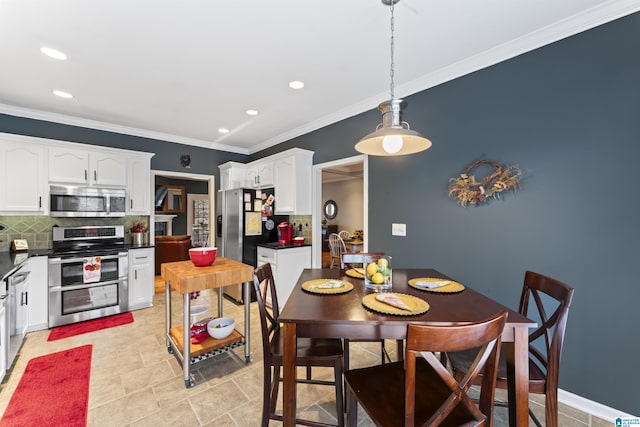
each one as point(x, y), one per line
point(37, 229)
point(301, 226)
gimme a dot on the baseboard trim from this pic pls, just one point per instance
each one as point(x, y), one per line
point(591, 407)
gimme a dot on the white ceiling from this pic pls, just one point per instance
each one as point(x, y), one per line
point(179, 70)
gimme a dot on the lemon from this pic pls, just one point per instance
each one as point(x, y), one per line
point(383, 263)
point(372, 269)
point(377, 278)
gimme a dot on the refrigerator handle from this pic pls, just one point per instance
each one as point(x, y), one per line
point(219, 226)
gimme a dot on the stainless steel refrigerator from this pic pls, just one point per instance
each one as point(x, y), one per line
point(241, 224)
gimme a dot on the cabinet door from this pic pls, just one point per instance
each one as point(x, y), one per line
point(38, 294)
point(260, 174)
point(139, 187)
point(23, 172)
point(141, 278)
point(285, 185)
point(108, 169)
point(67, 165)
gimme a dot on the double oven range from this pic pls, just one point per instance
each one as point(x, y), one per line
point(75, 294)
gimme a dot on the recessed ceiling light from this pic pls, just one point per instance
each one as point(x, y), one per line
point(62, 94)
point(52, 53)
point(252, 112)
point(296, 84)
point(223, 130)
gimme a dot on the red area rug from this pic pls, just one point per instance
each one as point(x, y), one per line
point(89, 326)
point(53, 391)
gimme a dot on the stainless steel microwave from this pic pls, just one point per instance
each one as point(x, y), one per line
point(70, 201)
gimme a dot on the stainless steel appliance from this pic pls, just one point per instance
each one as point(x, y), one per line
point(70, 201)
point(73, 298)
point(236, 237)
point(16, 316)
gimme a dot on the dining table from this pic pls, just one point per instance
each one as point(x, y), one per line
point(344, 315)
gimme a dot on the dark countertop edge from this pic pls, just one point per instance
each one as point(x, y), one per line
point(276, 245)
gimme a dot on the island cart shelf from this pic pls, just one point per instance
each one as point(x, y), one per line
point(184, 278)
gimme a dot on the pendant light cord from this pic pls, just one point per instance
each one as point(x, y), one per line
point(392, 49)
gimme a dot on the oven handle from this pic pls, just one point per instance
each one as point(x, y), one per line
point(86, 285)
point(70, 260)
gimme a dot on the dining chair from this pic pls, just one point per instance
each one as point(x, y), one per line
point(540, 295)
point(421, 391)
point(350, 260)
point(336, 248)
point(311, 353)
point(344, 235)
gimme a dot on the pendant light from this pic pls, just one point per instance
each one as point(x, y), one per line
point(392, 137)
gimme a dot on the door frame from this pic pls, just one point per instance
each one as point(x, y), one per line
point(316, 218)
point(211, 191)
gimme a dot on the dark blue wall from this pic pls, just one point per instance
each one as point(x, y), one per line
point(567, 115)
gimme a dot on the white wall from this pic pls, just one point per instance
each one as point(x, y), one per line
point(348, 195)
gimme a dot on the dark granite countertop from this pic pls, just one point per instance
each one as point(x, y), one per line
point(10, 261)
point(276, 245)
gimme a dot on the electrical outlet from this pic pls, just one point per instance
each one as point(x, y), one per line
point(398, 229)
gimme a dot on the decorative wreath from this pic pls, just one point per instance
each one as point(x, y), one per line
point(467, 190)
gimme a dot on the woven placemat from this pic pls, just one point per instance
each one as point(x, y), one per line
point(309, 286)
point(417, 305)
point(451, 288)
point(356, 273)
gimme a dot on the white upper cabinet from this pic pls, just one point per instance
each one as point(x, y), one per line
point(232, 175)
point(23, 171)
point(260, 174)
point(139, 186)
point(288, 172)
point(292, 182)
point(87, 167)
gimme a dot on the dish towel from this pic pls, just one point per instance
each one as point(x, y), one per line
point(91, 269)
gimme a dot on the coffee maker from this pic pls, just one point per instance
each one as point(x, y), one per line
point(285, 232)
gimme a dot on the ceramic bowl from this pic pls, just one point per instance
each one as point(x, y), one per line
point(203, 257)
point(221, 327)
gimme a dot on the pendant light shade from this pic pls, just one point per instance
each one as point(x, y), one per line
point(392, 137)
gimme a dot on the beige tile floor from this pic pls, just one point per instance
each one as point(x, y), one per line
point(136, 382)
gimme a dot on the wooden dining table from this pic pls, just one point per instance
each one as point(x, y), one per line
point(343, 316)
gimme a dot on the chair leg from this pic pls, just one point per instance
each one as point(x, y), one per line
point(550, 408)
point(345, 346)
point(274, 389)
point(352, 408)
point(400, 349)
point(339, 393)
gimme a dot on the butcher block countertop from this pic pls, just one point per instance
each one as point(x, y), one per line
point(185, 277)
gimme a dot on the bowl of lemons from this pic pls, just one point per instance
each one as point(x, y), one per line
point(378, 273)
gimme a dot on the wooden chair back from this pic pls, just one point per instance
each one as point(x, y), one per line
point(423, 340)
point(546, 342)
point(269, 320)
point(336, 248)
point(347, 260)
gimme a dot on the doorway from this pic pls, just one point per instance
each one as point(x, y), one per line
point(331, 174)
point(209, 240)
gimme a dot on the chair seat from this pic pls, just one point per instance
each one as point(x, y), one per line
point(308, 348)
point(461, 361)
point(380, 390)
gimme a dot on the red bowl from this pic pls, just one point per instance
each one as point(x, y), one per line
point(203, 257)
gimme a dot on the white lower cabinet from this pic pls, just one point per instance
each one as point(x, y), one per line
point(37, 294)
point(286, 264)
point(141, 277)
